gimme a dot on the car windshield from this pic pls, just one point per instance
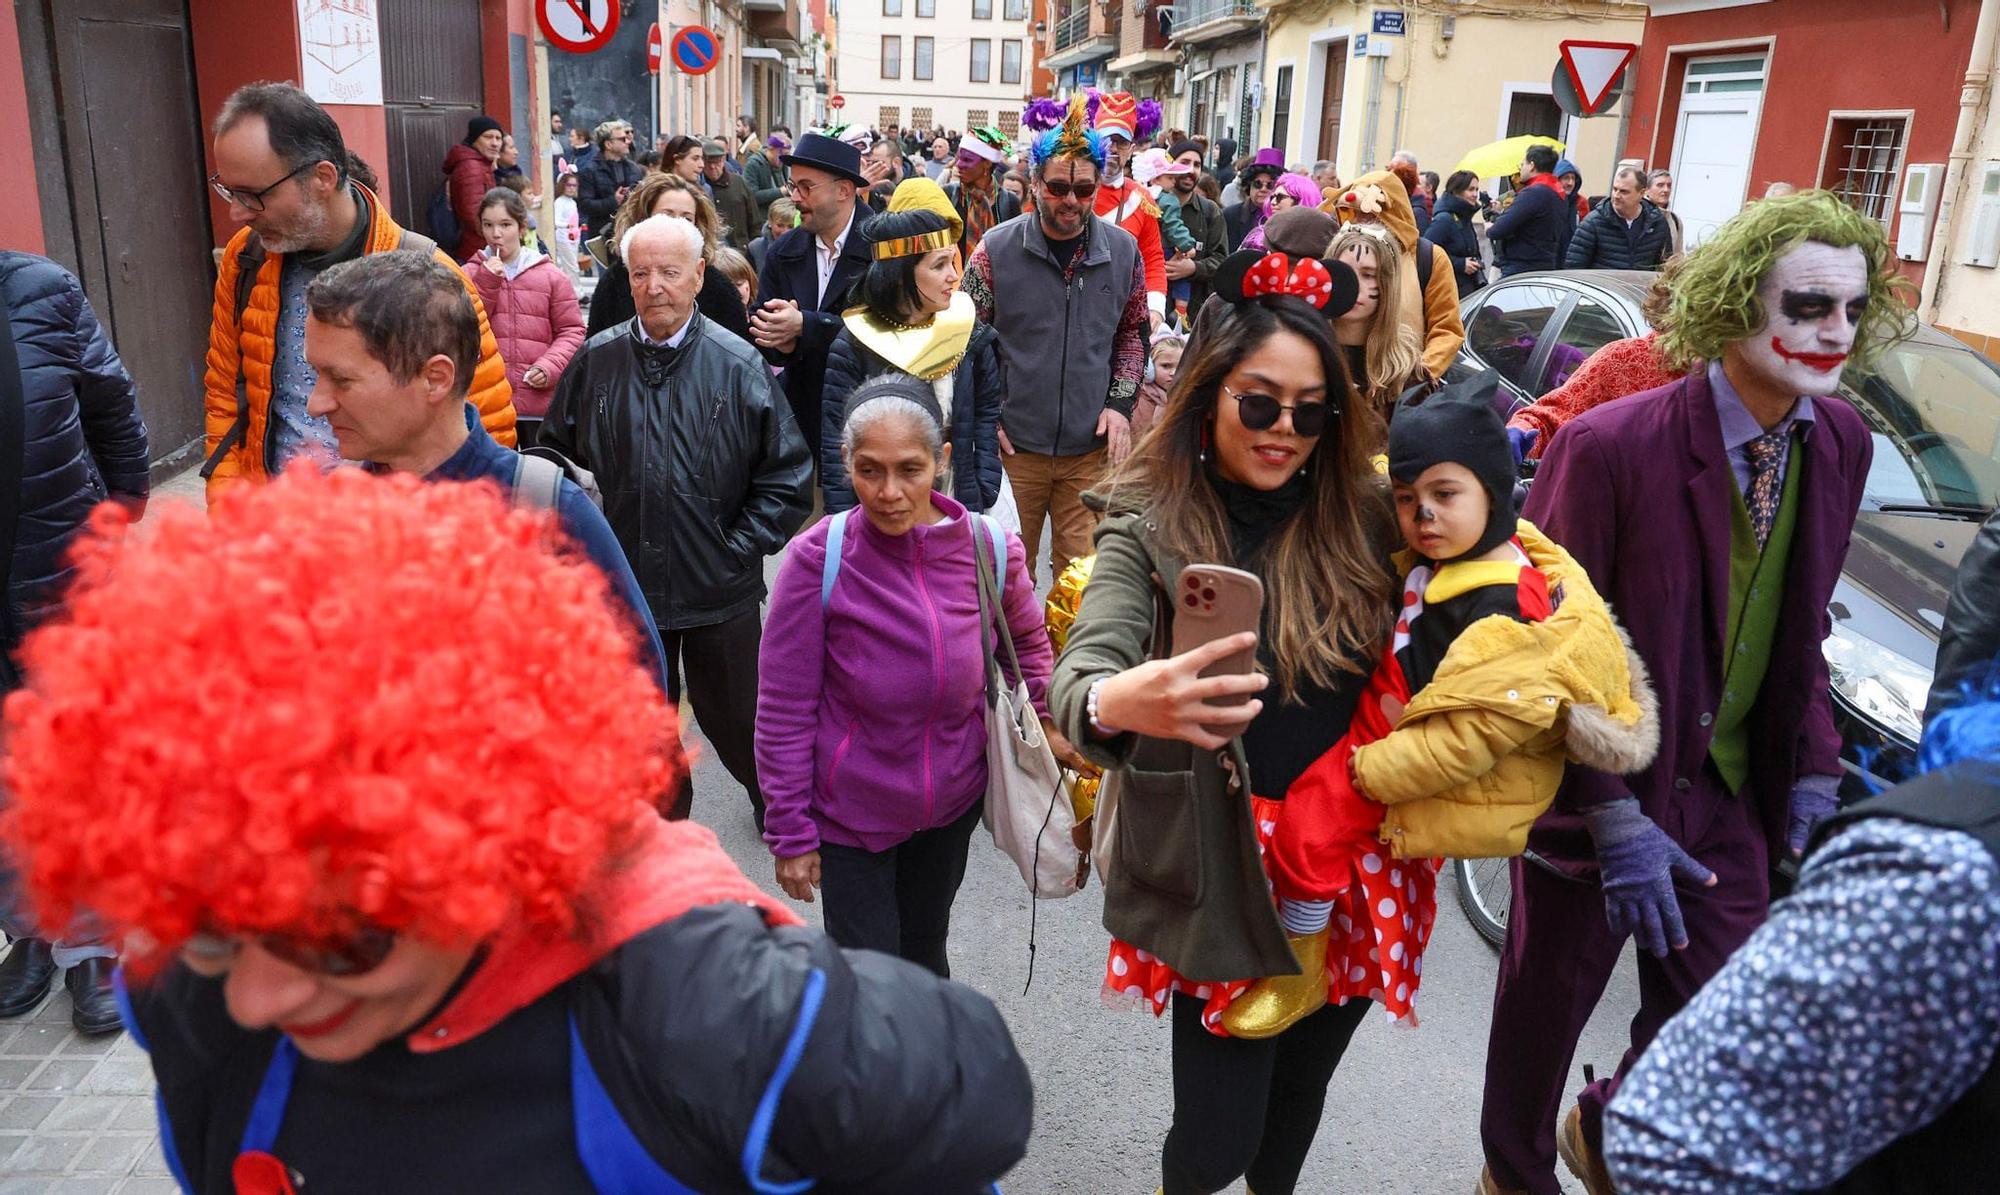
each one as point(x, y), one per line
point(1934, 411)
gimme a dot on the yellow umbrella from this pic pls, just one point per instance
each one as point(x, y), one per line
point(1503, 158)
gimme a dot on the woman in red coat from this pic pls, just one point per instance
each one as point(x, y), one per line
point(468, 176)
point(529, 302)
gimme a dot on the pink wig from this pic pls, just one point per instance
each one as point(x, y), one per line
point(1302, 189)
point(340, 700)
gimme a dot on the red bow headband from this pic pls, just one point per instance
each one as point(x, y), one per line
point(1327, 285)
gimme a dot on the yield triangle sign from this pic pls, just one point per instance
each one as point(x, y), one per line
point(1594, 66)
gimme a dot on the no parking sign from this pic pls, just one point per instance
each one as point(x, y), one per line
point(695, 50)
point(579, 26)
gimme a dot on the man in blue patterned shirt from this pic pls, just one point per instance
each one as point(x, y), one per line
point(1850, 1044)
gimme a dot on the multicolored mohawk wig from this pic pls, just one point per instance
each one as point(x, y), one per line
point(1073, 138)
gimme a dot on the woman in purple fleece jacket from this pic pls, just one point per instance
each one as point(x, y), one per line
point(871, 709)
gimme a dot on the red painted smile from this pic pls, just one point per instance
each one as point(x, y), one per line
point(1817, 362)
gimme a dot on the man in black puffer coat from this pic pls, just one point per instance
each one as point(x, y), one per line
point(70, 416)
point(1628, 233)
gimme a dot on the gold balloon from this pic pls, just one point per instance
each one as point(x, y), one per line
point(1064, 601)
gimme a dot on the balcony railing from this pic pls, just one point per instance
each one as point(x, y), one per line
point(1072, 28)
point(1196, 13)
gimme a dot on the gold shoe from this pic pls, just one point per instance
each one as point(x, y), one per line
point(1580, 1158)
point(1275, 1004)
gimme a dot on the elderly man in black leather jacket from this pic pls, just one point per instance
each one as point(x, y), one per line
point(1971, 636)
point(704, 473)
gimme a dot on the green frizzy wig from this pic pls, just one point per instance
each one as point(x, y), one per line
point(1713, 290)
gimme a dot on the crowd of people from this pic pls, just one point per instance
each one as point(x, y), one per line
point(361, 801)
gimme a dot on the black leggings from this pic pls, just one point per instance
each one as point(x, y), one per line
point(1249, 1108)
point(898, 901)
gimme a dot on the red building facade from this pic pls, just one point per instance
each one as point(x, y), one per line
point(1735, 95)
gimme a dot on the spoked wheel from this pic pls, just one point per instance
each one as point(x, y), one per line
point(1485, 892)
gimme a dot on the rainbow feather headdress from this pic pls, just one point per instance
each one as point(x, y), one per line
point(1073, 138)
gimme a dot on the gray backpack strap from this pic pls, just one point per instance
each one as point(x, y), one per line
point(537, 483)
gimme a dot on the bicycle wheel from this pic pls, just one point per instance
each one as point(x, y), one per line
point(1485, 891)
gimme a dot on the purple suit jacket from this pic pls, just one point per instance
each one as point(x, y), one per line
point(1639, 492)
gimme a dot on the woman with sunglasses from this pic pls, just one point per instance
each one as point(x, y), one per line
point(381, 939)
point(1259, 461)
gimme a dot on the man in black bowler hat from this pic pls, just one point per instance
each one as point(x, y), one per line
point(807, 273)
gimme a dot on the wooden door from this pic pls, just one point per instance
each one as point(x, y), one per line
point(137, 231)
point(1329, 100)
point(433, 81)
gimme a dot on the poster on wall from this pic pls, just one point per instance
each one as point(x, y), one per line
point(340, 55)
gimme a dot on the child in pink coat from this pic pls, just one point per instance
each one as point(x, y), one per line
point(529, 302)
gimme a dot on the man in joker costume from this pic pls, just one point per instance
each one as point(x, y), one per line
point(1713, 514)
point(1121, 200)
point(977, 195)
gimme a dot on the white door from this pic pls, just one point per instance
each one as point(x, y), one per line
point(1715, 141)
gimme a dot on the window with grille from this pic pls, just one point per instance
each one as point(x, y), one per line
point(1016, 10)
point(1010, 62)
point(982, 10)
point(921, 68)
point(922, 118)
point(1010, 121)
point(982, 61)
point(892, 58)
point(974, 117)
point(1864, 159)
point(888, 116)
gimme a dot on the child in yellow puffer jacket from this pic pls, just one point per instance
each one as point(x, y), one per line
point(1504, 663)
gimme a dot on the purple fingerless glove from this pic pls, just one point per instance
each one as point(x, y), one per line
point(1639, 862)
point(1813, 797)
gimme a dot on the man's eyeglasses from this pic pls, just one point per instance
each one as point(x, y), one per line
point(1259, 412)
point(803, 189)
point(1058, 189)
point(337, 958)
point(253, 201)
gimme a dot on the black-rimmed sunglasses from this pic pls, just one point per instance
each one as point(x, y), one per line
point(1063, 190)
point(253, 201)
point(1259, 412)
point(339, 958)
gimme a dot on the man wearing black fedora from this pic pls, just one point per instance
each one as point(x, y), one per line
point(807, 273)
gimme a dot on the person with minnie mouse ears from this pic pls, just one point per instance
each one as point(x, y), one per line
point(1260, 460)
point(1504, 663)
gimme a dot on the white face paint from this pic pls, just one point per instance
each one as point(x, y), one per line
point(1813, 298)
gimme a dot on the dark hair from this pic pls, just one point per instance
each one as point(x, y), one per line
point(1541, 157)
point(1459, 181)
point(649, 159)
point(675, 148)
point(508, 198)
point(300, 130)
point(361, 172)
point(888, 288)
point(1430, 178)
point(1327, 595)
point(408, 307)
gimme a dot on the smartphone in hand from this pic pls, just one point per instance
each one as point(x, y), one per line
point(1214, 601)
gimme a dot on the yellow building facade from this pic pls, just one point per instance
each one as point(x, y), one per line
point(1457, 76)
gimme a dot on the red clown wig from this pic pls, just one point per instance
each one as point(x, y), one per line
point(318, 709)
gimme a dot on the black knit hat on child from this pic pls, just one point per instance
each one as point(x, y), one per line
point(1459, 424)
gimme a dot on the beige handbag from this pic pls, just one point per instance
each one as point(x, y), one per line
point(1027, 810)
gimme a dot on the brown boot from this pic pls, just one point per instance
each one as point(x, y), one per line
point(1489, 1187)
point(1580, 1158)
point(1274, 1005)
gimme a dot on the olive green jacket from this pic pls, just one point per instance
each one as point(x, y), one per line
point(1186, 882)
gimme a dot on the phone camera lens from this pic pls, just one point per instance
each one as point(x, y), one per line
point(1208, 595)
point(1190, 601)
